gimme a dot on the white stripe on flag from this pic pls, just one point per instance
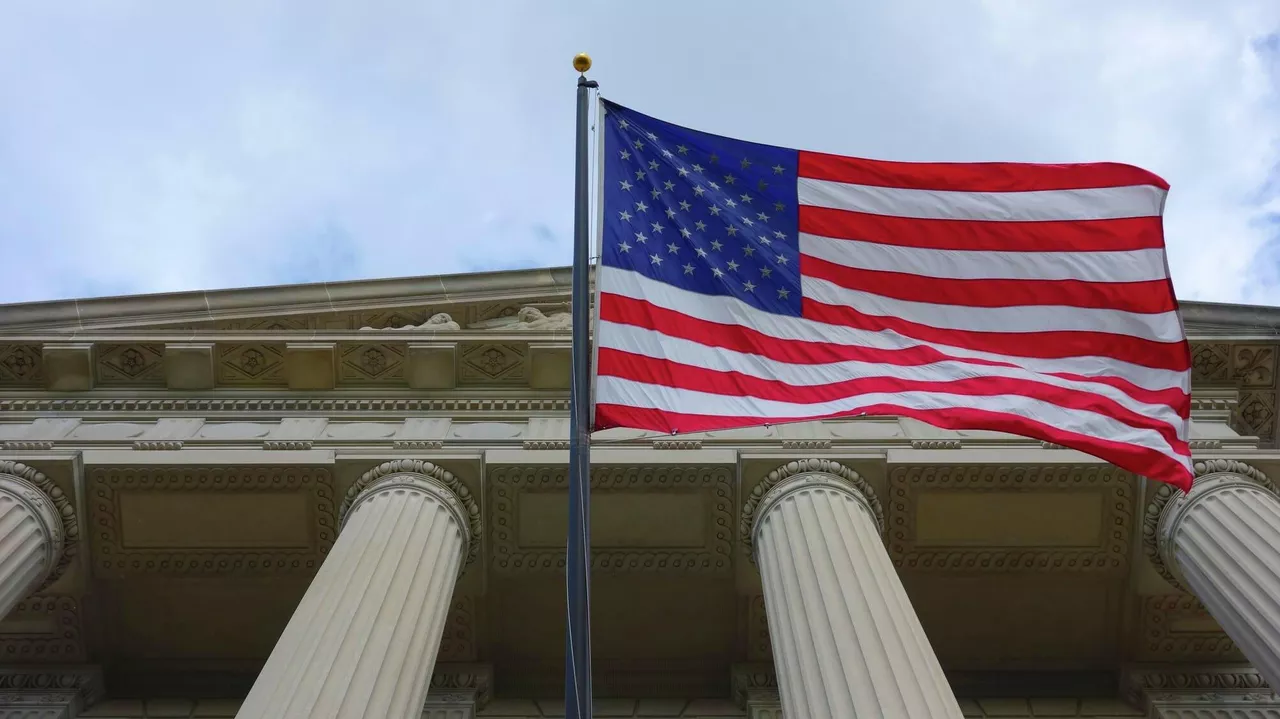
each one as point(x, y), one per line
point(1040, 205)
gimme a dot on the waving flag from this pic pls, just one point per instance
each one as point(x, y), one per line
point(742, 284)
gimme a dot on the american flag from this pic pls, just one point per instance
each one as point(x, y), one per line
point(742, 284)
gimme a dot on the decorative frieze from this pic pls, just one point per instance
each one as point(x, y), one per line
point(1111, 505)
point(21, 365)
point(130, 364)
point(371, 364)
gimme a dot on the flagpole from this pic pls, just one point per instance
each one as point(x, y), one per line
point(577, 671)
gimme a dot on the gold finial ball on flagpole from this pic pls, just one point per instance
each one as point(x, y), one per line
point(582, 62)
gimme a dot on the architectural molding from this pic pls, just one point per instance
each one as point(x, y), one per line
point(114, 556)
point(1161, 493)
point(280, 406)
point(458, 642)
point(1110, 555)
point(61, 643)
point(1163, 639)
point(1228, 691)
point(62, 506)
point(470, 507)
point(747, 517)
point(714, 485)
point(28, 692)
point(451, 683)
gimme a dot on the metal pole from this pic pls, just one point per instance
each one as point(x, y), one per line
point(577, 677)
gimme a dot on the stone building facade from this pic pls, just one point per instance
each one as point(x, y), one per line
point(348, 499)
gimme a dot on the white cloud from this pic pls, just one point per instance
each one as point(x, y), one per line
point(157, 147)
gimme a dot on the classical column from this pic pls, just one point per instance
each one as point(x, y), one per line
point(37, 526)
point(846, 642)
point(1221, 541)
point(363, 640)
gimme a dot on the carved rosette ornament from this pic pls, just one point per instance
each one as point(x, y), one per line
point(1221, 541)
point(845, 640)
point(365, 637)
point(39, 534)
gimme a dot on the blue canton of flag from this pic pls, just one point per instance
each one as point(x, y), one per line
point(701, 212)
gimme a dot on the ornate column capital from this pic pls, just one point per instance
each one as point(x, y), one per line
point(420, 476)
point(1167, 507)
point(799, 475)
point(44, 499)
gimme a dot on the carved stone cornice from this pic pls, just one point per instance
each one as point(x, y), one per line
point(1162, 494)
point(1205, 686)
point(1110, 555)
point(747, 518)
point(436, 473)
point(61, 505)
point(713, 485)
point(113, 556)
point(455, 406)
point(26, 691)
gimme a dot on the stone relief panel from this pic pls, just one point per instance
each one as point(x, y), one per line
point(269, 324)
point(389, 319)
point(1006, 519)
point(1256, 415)
point(1210, 362)
point(371, 363)
point(486, 363)
point(251, 364)
point(1253, 365)
point(42, 629)
point(193, 521)
point(676, 519)
point(20, 365)
point(130, 364)
point(1177, 627)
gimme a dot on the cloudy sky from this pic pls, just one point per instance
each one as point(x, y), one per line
point(148, 146)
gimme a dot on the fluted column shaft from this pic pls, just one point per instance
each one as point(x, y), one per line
point(31, 540)
point(363, 640)
point(846, 641)
point(1222, 541)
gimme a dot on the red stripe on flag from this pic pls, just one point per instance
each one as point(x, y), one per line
point(638, 313)
point(1141, 297)
point(973, 177)
point(1139, 460)
point(1128, 233)
point(641, 368)
point(1046, 345)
